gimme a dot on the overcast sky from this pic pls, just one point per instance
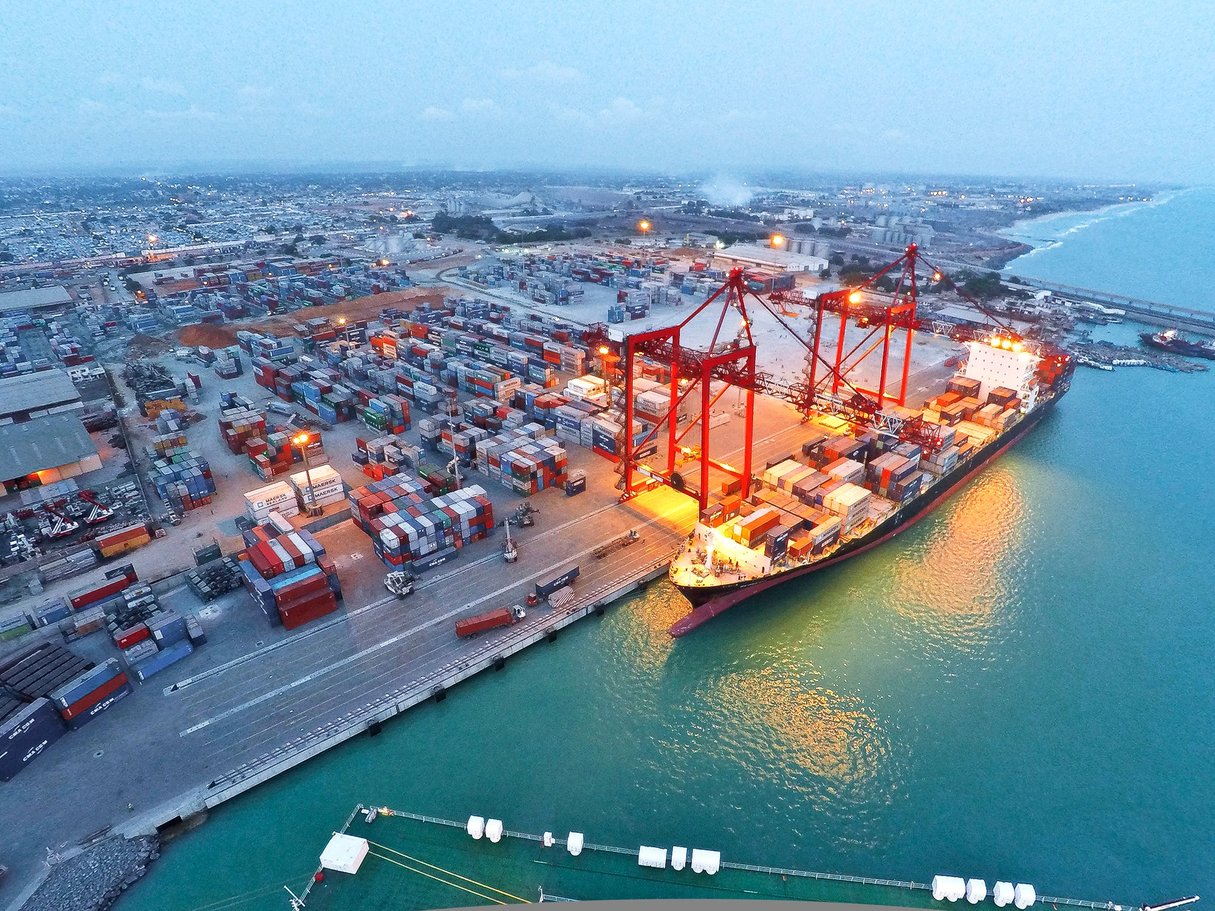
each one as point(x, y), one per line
point(1106, 90)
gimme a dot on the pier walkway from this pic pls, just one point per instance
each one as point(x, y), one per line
point(559, 844)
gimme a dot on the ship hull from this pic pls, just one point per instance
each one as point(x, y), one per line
point(708, 602)
point(1178, 346)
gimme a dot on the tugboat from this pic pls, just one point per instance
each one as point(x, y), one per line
point(1170, 341)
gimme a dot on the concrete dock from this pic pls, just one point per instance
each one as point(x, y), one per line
point(256, 701)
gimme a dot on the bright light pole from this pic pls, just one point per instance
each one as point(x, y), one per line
point(644, 227)
point(604, 353)
point(301, 440)
point(345, 329)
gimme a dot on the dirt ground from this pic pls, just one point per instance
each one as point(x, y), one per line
point(369, 307)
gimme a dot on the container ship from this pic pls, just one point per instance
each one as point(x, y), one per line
point(851, 487)
point(1170, 341)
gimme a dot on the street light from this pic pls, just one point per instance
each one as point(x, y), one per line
point(604, 354)
point(776, 240)
point(644, 227)
point(301, 440)
point(345, 330)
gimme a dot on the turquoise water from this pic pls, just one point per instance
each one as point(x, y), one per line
point(1019, 687)
point(1158, 251)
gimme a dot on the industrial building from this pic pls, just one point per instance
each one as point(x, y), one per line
point(34, 299)
point(32, 395)
point(45, 450)
point(769, 258)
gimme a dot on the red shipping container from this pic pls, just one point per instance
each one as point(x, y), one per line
point(83, 705)
point(306, 611)
point(128, 637)
point(300, 591)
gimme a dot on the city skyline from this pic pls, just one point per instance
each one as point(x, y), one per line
point(1031, 91)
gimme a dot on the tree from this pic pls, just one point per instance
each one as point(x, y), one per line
point(316, 239)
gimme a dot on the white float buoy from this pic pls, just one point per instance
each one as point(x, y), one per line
point(1024, 895)
point(652, 857)
point(493, 830)
point(1002, 894)
point(705, 861)
point(573, 844)
point(948, 888)
point(976, 891)
point(476, 826)
point(679, 857)
point(548, 839)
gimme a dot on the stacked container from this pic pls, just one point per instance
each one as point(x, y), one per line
point(279, 497)
point(86, 696)
point(239, 422)
point(432, 527)
point(120, 540)
point(183, 479)
point(289, 576)
point(320, 485)
point(26, 734)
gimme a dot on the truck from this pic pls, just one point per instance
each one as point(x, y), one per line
point(467, 627)
point(544, 589)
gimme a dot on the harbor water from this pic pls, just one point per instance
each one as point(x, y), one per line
point(1018, 688)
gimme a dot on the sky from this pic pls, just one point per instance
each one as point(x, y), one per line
point(1080, 90)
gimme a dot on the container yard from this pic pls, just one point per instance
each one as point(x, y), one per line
point(396, 503)
point(379, 507)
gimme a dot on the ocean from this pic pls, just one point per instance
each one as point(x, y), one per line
point(1019, 687)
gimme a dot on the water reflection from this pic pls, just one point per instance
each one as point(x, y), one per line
point(955, 583)
point(809, 737)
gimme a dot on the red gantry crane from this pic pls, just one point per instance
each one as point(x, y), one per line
point(890, 316)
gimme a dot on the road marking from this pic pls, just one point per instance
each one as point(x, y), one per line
point(180, 685)
point(320, 672)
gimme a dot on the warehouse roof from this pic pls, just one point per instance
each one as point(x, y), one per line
point(34, 298)
point(772, 259)
point(46, 442)
point(31, 391)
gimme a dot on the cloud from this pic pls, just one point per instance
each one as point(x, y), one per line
point(162, 86)
point(477, 106)
point(193, 112)
point(621, 111)
point(7, 110)
point(435, 114)
point(545, 71)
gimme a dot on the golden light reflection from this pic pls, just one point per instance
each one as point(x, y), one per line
point(828, 734)
point(962, 574)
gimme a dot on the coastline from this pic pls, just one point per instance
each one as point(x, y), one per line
point(1017, 231)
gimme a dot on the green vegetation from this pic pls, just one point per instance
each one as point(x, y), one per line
point(482, 227)
point(984, 286)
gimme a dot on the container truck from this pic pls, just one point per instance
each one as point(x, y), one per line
point(467, 627)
